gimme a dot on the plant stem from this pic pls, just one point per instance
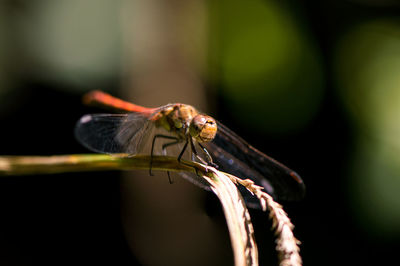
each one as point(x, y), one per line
point(31, 165)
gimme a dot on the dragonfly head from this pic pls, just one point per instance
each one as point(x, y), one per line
point(203, 128)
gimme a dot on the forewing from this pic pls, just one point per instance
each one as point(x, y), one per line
point(234, 155)
point(112, 133)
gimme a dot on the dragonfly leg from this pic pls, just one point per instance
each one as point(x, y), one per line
point(194, 151)
point(164, 151)
point(183, 151)
point(169, 178)
point(209, 158)
point(181, 154)
point(164, 146)
point(152, 148)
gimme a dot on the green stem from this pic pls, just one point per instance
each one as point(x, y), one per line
point(30, 165)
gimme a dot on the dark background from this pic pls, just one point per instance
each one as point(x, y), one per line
point(314, 85)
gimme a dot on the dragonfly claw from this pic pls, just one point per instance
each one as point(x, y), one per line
point(213, 165)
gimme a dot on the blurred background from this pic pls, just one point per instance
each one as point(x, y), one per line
point(313, 84)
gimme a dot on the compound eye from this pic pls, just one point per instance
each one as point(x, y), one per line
point(196, 125)
point(203, 128)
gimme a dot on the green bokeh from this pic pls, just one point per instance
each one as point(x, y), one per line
point(269, 70)
point(375, 186)
point(368, 74)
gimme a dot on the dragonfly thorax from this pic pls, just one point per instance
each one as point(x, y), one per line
point(176, 118)
point(182, 115)
point(184, 120)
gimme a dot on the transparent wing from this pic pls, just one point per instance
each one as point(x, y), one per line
point(131, 134)
point(196, 180)
point(234, 155)
point(113, 133)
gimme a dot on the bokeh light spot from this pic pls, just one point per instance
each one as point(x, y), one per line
point(368, 75)
point(269, 68)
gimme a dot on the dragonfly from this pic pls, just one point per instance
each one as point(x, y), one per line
point(173, 128)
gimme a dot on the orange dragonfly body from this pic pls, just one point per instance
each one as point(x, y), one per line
point(181, 125)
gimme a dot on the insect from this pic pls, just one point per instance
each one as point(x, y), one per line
point(145, 130)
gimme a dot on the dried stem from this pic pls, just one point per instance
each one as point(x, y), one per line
point(287, 245)
point(237, 217)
